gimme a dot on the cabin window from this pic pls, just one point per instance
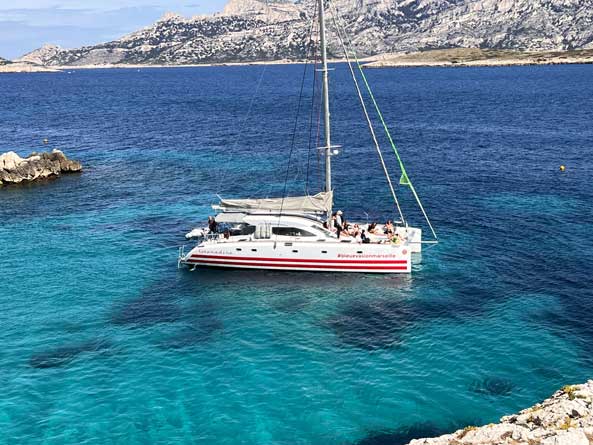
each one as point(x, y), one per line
point(324, 251)
point(295, 251)
point(243, 229)
point(290, 231)
point(239, 249)
point(254, 250)
point(324, 230)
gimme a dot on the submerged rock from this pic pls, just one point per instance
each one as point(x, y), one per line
point(402, 435)
point(196, 334)
point(566, 418)
point(492, 386)
point(153, 307)
point(294, 303)
point(373, 325)
point(14, 169)
point(63, 355)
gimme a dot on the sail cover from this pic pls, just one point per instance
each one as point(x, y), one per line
point(319, 203)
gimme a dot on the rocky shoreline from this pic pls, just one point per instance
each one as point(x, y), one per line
point(15, 170)
point(566, 418)
point(474, 57)
point(25, 67)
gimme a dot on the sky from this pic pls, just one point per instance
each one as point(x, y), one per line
point(27, 24)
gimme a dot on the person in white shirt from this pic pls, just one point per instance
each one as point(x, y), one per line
point(340, 218)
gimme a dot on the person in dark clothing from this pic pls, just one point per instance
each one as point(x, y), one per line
point(212, 224)
point(365, 239)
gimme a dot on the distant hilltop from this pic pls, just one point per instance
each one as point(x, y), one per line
point(256, 30)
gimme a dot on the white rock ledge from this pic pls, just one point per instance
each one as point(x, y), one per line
point(566, 418)
point(14, 169)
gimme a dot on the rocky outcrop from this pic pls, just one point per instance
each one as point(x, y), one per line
point(25, 67)
point(41, 56)
point(14, 169)
point(258, 30)
point(566, 418)
point(4, 61)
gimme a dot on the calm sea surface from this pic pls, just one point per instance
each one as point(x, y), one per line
point(103, 340)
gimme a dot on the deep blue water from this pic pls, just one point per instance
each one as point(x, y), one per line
point(105, 341)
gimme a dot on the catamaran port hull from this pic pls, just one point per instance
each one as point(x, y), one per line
point(306, 256)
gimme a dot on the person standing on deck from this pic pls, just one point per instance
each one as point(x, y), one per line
point(340, 218)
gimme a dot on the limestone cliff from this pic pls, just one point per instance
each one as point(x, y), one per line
point(256, 30)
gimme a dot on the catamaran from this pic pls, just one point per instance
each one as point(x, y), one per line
point(302, 233)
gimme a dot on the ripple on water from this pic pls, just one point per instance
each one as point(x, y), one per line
point(289, 358)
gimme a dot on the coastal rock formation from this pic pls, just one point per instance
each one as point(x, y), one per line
point(258, 30)
point(4, 61)
point(566, 418)
point(14, 169)
point(41, 56)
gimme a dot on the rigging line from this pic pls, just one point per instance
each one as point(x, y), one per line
point(296, 120)
point(388, 133)
point(368, 119)
point(242, 124)
point(311, 114)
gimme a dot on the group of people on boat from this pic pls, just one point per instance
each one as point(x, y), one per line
point(343, 229)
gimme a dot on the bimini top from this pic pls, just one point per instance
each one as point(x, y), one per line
point(319, 203)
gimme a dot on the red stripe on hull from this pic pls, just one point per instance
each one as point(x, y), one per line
point(295, 260)
point(359, 267)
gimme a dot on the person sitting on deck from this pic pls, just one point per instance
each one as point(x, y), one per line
point(388, 230)
point(397, 238)
point(372, 228)
point(364, 238)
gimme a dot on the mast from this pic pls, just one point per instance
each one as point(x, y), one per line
point(322, 38)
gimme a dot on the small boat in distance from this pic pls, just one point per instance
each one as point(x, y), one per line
point(303, 233)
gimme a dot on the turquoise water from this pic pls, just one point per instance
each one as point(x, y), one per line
point(105, 341)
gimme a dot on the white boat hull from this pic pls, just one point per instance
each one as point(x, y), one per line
point(301, 256)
